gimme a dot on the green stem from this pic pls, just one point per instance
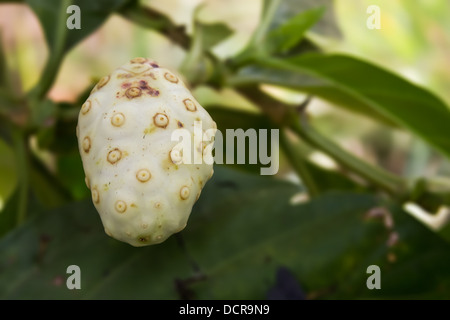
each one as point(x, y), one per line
point(286, 116)
point(256, 48)
point(20, 149)
point(193, 55)
point(385, 180)
point(149, 18)
point(267, 18)
point(55, 57)
point(298, 164)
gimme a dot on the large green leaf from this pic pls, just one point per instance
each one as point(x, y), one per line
point(229, 120)
point(287, 9)
point(365, 87)
point(241, 223)
point(92, 13)
point(65, 23)
point(291, 32)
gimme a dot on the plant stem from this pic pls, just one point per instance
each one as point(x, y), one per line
point(193, 55)
point(286, 116)
point(55, 57)
point(20, 150)
point(385, 180)
point(149, 18)
point(256, 46)
point(298, 164)
point(267, 18)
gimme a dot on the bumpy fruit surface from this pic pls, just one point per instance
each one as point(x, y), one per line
point(140, 188)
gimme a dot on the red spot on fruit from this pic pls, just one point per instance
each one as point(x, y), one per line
point(143, 85)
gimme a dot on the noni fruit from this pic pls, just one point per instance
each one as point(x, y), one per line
point(141, 185)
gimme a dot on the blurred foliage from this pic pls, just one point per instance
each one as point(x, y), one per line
point(321, 221)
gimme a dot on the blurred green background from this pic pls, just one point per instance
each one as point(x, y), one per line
point(246, 229)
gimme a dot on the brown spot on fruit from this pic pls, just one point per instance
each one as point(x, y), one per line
point(170, 77)
point(190, 105)
point(160, 120)
point(120, 206)
point(143, 239)
point(86, 107)
point(154, 65)
point(117, 119)
point(143, 175)
point(133, 92)
point(143, 85)
point(180, 124)
point(86, 144)
point(114, 155)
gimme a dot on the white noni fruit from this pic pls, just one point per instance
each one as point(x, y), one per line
point(141, 187)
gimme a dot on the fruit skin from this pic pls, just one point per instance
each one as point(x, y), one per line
point(142, 194)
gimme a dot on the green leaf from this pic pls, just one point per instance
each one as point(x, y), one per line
point(54, 20)
point(3, 65)
point(325, 179)
point(326, 26)
point(92, 13)
point(71, 175)
point(43, 113)
point(241, 223)
point(343, 79)
point(418, 268)
point(213, 33)
point(49, 191)
point(231, 119)
point(8, 214)
point(292, 31)
point(35, 258)
point(59, 133)
point(227, 118)
point(8, 173)
point(309, 84)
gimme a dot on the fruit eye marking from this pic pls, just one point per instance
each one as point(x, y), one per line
point(161, 120)
point(114, 155)
point(190, 105)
